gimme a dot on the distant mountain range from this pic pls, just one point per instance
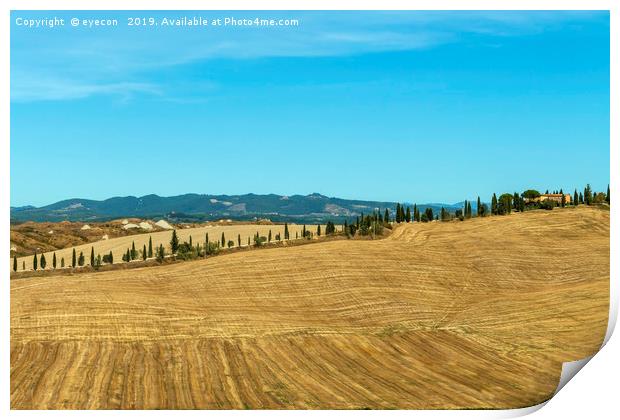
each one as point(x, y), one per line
point(199, 207)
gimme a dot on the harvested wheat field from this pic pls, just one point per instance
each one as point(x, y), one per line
point(474, 314)
point(118, 246)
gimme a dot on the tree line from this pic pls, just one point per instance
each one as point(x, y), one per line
point(504, 204)
point(364, 225)
point(181, 250)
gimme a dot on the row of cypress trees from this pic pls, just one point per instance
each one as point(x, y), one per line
point(39, 262)
point(132, 254)
point(502, 205)
point(508, 202)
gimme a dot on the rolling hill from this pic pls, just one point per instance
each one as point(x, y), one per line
point(474, 314)
point(310, 208)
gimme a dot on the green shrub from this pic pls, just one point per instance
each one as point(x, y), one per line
point(186, 252)
point(547, 205)
point(212, 248)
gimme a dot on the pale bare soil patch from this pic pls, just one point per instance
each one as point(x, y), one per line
point(475, 314)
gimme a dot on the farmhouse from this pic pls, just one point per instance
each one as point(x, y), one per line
point(554, 197)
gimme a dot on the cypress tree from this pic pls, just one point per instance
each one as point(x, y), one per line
point(386, 216)
point(494, 204)
point(144, 255)
point(43, 262)
point(174, 242)
point(416, 213)
point(150, 252)
point(111, 258)
point(286, 233)
point(515, 201)
point(92, 256)
point(269, 236)
point(23, 265)
point(478, 207)
point(62, 262)
point(223, 240)
point(134, 253)
point(190, 241)
point(73, 259)
point(398, 213)
point(54, 260)
point(563, 203)
point(608, 197)
point(303, 232)
point(35, 261)
point(575, 198)
point(248, 241)
point(587, 195)
point(318, 230)
point(408, 215)
point(14, 263)
point(239, 240)
point(81, 259)
point(329, 228)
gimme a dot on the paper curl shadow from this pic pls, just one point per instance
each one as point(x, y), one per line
point(570, 369)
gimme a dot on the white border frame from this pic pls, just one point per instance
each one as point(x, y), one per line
point(601, 381)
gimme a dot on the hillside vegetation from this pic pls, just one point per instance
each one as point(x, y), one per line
point(119, 245)
point(26, 238)
point(474, 314)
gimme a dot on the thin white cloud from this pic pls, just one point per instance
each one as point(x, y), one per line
point(101, 64)
point(46, 89)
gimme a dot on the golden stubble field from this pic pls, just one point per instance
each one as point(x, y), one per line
point(477, 314)
point(118, 246)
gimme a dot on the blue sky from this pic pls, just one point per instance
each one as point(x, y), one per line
point(398, 106)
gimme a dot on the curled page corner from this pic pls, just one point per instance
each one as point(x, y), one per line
point(570, 369)
point(520, 412)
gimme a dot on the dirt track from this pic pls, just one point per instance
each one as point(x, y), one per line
point(478, 314)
